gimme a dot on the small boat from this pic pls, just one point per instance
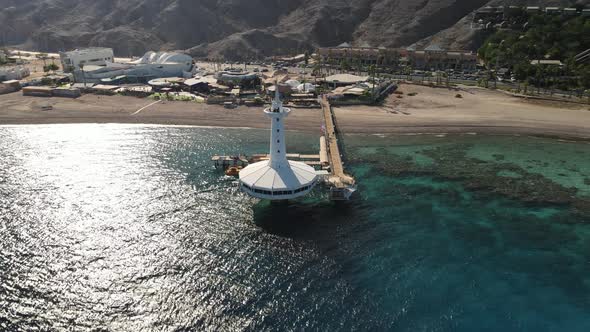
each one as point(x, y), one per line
point(342, 194)
point(228, 161)
point(233, 171)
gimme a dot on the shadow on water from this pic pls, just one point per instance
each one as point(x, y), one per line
point(303, 220)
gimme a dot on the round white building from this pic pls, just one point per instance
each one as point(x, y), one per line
point(277, 178)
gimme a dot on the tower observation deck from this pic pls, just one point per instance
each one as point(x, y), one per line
point(278, 178)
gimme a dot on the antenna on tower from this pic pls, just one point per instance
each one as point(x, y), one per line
point(276, 103)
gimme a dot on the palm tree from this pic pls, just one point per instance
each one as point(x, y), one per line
point(344, 65)
point(408, 72)
point(358, 63)
point(540, 77)
point(43, 56)
point(372, 72)
point(83, 74)
point(329, 61)
point(317, 65)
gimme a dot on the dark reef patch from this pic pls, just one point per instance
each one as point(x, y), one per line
point(452, 162)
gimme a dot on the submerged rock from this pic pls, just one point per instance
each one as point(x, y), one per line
point(452, 162)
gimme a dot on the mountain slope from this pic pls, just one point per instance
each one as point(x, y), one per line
point(239, 28)
point(461, 36)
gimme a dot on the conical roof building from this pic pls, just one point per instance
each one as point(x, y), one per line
point(277, 178)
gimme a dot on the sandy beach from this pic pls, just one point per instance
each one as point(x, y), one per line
point(437, 110)
point(430, 110)
point(17, 109)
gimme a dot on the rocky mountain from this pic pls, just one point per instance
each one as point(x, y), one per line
point(462, 36)
point(240, 28)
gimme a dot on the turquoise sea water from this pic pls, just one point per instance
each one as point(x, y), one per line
point(120, 227)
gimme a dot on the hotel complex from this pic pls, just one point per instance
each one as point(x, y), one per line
point(430, 58)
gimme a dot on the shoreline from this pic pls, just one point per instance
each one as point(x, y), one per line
point(426, 111)
point(443, 132)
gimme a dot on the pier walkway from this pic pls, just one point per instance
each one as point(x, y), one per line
point(342, 183)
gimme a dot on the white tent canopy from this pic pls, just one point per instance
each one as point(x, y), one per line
point(306, 87)
point(163, 58)
point(293, 83)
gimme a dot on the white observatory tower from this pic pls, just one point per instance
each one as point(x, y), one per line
point(277, 178)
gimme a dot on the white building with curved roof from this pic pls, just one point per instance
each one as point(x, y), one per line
point(162, 58)
point(152, 65)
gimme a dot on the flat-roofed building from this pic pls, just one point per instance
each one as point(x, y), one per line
point(489, 9)
point(379, 56)
point(586, 12)
point(489, 13)
point(433, 57)
point(291, 59)
point(512, 11)
point(552, 10)
point(570, 11)
point(436, 58)
point(345, 79)
point(9, 86)
point(94, 56)
point(14, 73)
point(546, 63)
